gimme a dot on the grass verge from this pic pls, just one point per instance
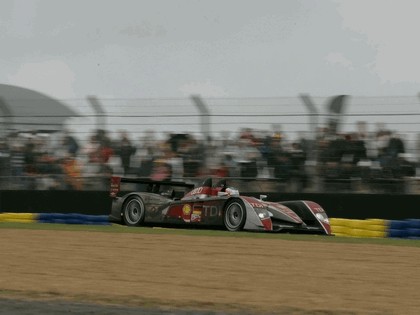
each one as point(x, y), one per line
point(115, 228)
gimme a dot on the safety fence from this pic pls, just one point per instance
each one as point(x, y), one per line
point(369, 228)
point(312, 144)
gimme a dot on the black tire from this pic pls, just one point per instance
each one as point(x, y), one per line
point(234, 216)
point(133, 211)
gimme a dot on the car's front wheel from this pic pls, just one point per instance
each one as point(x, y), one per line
point(133, 211)
point(234, 216)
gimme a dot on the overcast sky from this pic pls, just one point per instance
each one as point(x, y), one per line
point(216, 48)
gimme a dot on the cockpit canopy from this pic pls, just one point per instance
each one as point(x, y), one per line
point(207, 189)
point(229, 191)
point(224, 189)
point(221, 187)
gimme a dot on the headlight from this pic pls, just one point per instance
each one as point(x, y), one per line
point(322, 217)
point(264, 214)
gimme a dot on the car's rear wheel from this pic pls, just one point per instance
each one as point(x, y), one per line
point(234, 216)
point(133, 211)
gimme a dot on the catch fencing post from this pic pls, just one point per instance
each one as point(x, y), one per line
point(205, 116)
point(99, 111)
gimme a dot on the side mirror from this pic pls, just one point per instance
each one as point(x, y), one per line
point(263, 197)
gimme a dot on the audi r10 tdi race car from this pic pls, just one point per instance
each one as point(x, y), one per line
point(171, 203)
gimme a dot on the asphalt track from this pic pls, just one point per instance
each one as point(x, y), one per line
point(86, 272)
point(33, 307)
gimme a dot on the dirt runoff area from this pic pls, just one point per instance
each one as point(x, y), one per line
point(223, 275)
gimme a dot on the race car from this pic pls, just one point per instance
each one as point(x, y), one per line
point(172, 203)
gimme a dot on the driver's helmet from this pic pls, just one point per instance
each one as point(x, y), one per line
point(230, 191)
point(221, 185)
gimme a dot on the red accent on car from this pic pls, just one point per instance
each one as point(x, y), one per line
point(175, 211)
point(268, 225)
point(115, 186)
point(205, 191)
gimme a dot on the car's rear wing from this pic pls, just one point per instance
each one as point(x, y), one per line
point(153, 184)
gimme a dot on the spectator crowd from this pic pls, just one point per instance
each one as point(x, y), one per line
point(61, 161)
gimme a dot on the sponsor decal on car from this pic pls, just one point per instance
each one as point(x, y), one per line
point(199, 193)
point(196, 191)
point(196, 216)
point(186, 209)
point(212, 211)
point(257, 205)
point(186, 212)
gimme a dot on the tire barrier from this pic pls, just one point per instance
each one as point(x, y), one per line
point(376, 228)
point(60, 218)
point(18, 217)
point(409, 229)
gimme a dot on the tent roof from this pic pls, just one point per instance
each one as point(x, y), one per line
point(25, 109)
